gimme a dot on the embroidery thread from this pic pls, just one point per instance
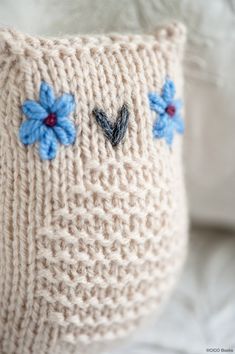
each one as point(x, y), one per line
point(47, 122)
point(168, 111)
point(113, 131)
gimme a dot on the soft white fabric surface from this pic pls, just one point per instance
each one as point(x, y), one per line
point(201, 311)
point(210, 77)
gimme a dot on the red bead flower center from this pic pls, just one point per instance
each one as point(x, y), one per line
point(170, 110)
point(50, 120)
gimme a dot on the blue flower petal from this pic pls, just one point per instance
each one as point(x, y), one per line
point(65, 131)
point(46, 96)
point(157, 104)
point(30, 131)
point(168, 91)
point(61, 135)
point(158, 133)
point(160, 125)
point(169, 134)
point(178, 104)
point(178, 124)
point(63, 106)
point(166, 124)
point(48, 145)
point(33, 110)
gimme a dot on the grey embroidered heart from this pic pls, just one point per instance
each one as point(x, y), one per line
point(113, 131)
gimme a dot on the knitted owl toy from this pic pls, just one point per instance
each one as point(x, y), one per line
point(93, 221)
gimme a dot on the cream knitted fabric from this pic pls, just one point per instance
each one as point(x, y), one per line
point(92, 240)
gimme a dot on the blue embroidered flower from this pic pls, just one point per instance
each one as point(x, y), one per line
point(48, 122)
point(168, 109)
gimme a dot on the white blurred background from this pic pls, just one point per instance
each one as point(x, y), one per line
point(201, 312)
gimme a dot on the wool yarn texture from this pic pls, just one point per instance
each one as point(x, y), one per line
point(93, 216)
